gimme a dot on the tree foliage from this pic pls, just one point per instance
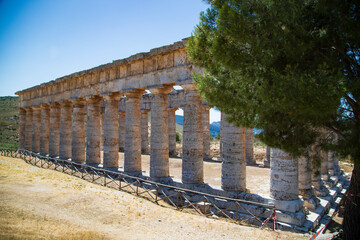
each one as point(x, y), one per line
point(290, 68)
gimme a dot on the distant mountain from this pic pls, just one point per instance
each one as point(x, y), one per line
point(214, 129)
point(179, 119)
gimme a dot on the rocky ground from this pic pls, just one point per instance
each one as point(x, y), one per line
point(44, 204)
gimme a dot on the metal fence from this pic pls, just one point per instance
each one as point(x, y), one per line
point(236, 210)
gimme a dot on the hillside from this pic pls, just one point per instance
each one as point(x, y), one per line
point(9, 122)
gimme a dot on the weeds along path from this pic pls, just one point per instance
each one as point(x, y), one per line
point(39, 203)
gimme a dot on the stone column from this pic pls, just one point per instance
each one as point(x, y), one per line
point(145, 132)
point(267, 160)
point(54, 139)
point(324, 166)
point(45, 129)
point(159, 151)
point(172, 132)
point(111, 131)
point(22, 128)
point(93, 135)
point(101, 130)
point(284, 187)
point(331, 163)
point(305, 183)
point(65, 130)
point(132, 155)
point(28, 129)
point(192, 157)
point(233, 169)
point(319, 187)
point(36, 129)
point(78, 132)
point(206, 133)
point(122, 131)
point(250, 160)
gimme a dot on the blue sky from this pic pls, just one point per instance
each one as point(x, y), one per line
point(41, 40)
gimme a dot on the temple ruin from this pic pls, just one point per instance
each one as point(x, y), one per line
point(105, 110)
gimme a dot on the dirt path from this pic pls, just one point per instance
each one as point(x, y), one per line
point(44, 204)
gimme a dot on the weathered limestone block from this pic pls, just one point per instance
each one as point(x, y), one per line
point(250, 160)
point(233, 171)
point(305, 183)
point(78, 132)
point(54, 139)
point(36, 129)
point(22, 127)
point(159, 151)
point(65, 130)
point(172, 132)
point(192, 165)
point(206, 133)
point(284, 184)
point(145, 132)
point(93, 128)
point(132, 155)
point(102, 130)
point(44, 133)
point(121, 131)
point(111, 131)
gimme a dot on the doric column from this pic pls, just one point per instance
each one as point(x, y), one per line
point(324, 166)
point(93, 135)
point(65, 130)
point(54, 139)
point(159, 151)
point(132, 155)
point(36, 129)
point(331, 163)
point(22, 128)
point(250, 160)
point(206, 133)
point(233, 168)
point(192, 158)
point(284, 184)
point(145, 132)
point(122, 131)
point(45, 129)
point(284, 187)
point(28, 129)
point(78, 132)
point(305, 183)
point(172, 132)
point(319, 187)
point(101, 130)
point(267, 160)
point(111, 131)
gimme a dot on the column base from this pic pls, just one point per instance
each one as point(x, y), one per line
point(297, 218)
point(164, 180)
point(134, 174)
point(250, 162)
point(321, 192)
point(311, 203)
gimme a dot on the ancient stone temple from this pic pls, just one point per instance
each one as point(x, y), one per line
point(89, 116)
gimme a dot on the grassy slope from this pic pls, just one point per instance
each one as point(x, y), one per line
point(9, 122)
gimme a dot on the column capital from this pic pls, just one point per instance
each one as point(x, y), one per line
point(94, 99)
point(135, 93)
point(143, 111)
point(113, 96)
point(36, 107)
point(163, 89)
point(28, 109)
point(80, 102)
point(22, 110)
point(189, 86)
point(173, 109)
point(65, 103)
point(55, 105)
point(45, 106)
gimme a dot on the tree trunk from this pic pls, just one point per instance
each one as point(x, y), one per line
point(351, 220)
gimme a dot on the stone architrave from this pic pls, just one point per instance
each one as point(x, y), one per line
point(111, 131)
point(93, 128)
point(159, 141)
point(28, 129)
point(250, 160)
point(65, 130)
point(54, 139)
point(233, 169)
point(22, 127)
point(132, 154)
point(172, 132)
point(44, 133)
point(305, 183)
point(145, 132)
point(206, 133)
point(192, 150)
point(36, 129)
point(122, 131)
